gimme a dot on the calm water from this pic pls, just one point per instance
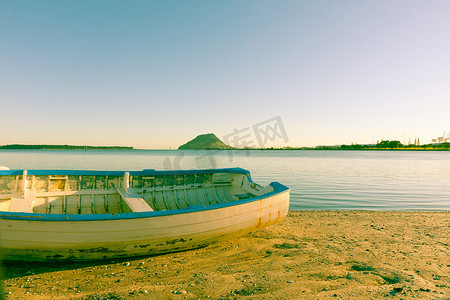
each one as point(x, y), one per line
point(369, 180)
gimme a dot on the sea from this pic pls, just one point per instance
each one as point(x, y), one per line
point(319, 180)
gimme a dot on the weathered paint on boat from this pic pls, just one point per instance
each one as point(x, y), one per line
point(48, 215)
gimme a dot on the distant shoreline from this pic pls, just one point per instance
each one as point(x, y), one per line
point(62, 147)
point(342, 149)
point(428, 147)
point(234, 149)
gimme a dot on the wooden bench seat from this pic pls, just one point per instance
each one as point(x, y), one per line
point(22, 204)
point(134, 200)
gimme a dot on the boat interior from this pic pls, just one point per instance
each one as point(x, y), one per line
point(124, 193)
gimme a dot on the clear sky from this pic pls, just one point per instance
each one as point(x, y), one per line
point(154, 74)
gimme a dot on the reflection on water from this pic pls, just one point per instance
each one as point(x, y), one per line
point(374, 180)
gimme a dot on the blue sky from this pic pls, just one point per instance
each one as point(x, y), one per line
point(154, 74)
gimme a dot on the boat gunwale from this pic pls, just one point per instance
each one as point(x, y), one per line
point(278, 188)
point(145, 172)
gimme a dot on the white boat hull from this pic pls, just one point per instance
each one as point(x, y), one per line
point(35, 237)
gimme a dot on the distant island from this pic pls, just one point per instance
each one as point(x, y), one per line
point(207, 141)
point(62, 147)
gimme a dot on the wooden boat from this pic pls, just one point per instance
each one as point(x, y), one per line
point(48, 215)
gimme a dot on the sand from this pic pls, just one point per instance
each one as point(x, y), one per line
point(310, 255)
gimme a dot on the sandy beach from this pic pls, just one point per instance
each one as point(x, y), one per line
point(309, 255)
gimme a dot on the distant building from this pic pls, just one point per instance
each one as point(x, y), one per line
point(445, 138)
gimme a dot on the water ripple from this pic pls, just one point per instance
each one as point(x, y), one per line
point(328, 180)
